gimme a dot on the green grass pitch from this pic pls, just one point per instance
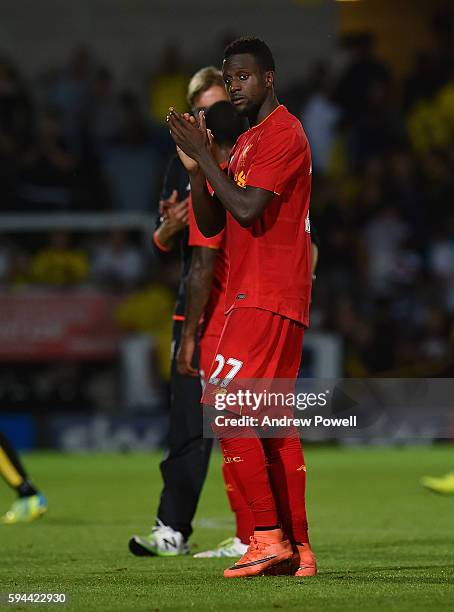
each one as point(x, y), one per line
point(382, 542)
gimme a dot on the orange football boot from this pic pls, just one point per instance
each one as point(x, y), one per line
point(302, 563)
point(267, 548)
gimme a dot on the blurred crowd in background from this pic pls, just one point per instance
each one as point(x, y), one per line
point(383, 192)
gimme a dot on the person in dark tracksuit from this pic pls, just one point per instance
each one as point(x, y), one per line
point(185, 466)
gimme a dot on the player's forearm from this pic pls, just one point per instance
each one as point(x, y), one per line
point(236, 200)
point(164, 236)
point(198, 288)
point(208, 211)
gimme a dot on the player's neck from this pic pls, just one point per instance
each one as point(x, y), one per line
point(269, 105)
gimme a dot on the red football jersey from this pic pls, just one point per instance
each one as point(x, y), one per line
point(213, 317)
point(270, 261)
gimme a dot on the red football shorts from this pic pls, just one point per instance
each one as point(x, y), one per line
point(257, 345)
point(209, 341)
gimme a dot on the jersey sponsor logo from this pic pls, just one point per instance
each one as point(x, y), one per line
point(307, 225)
point(241, 296)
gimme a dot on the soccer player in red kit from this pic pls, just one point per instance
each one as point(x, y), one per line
point(264, 205)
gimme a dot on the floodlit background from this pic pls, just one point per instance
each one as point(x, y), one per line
point(85, 311)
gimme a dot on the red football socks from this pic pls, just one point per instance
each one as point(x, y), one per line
point(268, 475)
point(238, 504)
point(247, 462)
point(287, 473)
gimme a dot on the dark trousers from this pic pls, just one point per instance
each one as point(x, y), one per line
point(185, 467)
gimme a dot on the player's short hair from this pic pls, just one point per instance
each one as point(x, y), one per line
point(254, 46)
point(201, 81)
point(225, 123)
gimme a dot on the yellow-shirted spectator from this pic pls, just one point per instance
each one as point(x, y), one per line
point(59, 264)
point(431, 123)
point(168, 87)
point(445, 104)
point(426, 127)
point(150, 310)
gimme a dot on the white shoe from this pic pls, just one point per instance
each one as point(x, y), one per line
point(163, 541)
point(232, 547)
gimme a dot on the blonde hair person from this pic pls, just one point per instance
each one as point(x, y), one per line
point(206, 81)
